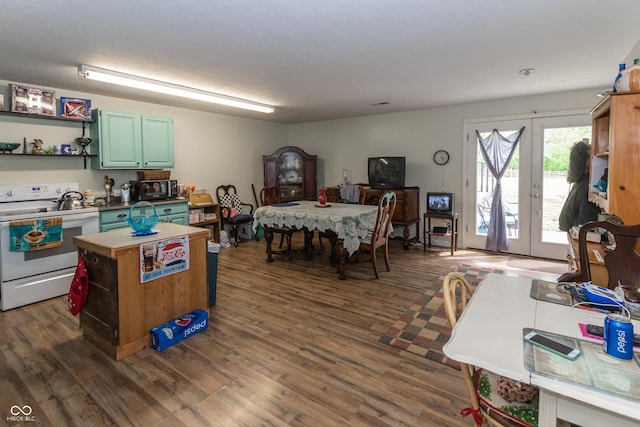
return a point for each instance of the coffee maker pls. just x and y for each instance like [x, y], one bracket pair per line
[126, 192]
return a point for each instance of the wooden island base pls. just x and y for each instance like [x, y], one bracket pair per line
[120, 310]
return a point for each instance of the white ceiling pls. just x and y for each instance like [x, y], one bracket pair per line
[321, 59]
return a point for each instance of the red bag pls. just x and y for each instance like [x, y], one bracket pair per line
[79, 288]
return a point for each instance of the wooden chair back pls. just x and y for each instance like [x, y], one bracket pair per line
[269, 196]
[228, 190]
[380, 234]
[233, 210]
[369, 196]
[457, 292]
[382, 228]
[622, 262]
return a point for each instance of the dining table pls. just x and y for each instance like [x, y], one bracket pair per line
[594, 390]
[343, 223]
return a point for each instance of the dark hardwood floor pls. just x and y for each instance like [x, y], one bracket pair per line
[288, 345]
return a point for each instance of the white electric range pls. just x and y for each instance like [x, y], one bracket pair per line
[38, 274]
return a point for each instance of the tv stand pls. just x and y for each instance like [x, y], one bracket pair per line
[407, 211]
[452, 231]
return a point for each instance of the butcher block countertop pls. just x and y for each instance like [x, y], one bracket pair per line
[118, 242]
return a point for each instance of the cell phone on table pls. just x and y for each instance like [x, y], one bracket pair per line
[552, 345]
[598, 331]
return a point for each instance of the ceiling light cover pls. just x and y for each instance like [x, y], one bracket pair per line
[122, 79]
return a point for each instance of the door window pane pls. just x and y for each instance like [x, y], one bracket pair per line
[555, 188]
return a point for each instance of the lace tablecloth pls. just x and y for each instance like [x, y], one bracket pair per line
[349, 221]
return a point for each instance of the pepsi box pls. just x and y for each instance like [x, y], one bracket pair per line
[181, 328]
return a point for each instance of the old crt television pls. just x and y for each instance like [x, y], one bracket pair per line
[386, 172]
[440, 203]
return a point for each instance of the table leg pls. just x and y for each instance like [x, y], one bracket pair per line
[308, 242]
[268, 236]
[547, 409]
[342, 260]
[424, 233]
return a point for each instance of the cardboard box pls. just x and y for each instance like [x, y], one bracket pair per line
[176, 330]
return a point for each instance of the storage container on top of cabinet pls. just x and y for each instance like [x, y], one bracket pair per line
[615, 153]
[293, 172]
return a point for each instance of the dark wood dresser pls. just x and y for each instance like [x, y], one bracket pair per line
[407, 209]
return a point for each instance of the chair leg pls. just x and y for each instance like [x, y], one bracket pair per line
[288, 236]
[320, 244]
[373, 261]
[386, 256]
[235, 235]
[281, 240]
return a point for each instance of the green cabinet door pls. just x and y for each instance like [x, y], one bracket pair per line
[157, 142]
[119, 140]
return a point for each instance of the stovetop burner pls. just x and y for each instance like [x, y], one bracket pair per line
[28, 201]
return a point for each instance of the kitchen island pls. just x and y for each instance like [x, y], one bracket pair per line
[121, 308]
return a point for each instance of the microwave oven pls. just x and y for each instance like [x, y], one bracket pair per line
[157, 189]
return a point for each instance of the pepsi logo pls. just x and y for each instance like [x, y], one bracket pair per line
[183, 321]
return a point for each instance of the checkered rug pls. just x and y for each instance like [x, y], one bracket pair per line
[424, 328]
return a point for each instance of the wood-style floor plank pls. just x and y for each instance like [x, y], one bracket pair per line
[288, 345]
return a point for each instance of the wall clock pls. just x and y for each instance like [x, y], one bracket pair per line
[441, 157]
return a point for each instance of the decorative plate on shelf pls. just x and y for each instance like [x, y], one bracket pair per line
[291, 176]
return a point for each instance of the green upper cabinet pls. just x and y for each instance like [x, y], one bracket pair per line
[157, 142]
[131, 141]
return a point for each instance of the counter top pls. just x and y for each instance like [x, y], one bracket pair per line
[116, 242]
[118, 204]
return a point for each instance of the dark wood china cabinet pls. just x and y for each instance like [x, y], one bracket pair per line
[293, 172]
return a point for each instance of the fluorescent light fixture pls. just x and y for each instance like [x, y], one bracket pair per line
[122, 79]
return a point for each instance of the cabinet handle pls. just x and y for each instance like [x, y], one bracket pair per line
[168, 209]
[122, 215]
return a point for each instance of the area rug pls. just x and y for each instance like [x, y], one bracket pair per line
[537, 264]
[424, 328]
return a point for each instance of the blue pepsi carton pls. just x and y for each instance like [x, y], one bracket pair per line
[176, 330]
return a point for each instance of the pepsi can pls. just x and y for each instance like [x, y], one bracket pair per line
[618, 336]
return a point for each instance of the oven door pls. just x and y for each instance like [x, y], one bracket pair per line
[21, 265]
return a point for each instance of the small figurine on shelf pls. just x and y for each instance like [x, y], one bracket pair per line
[37, 147]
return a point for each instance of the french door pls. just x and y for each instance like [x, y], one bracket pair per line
[534, 186]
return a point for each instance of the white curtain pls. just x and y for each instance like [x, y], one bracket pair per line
[497, 151]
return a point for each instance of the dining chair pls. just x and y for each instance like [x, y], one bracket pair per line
[379, 236]
[621, 259]
[270, 196]
[232, 209]
[457, 292]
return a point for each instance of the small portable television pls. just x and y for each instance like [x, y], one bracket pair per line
[440, 203]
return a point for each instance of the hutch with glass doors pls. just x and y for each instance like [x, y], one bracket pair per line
[293, 172]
